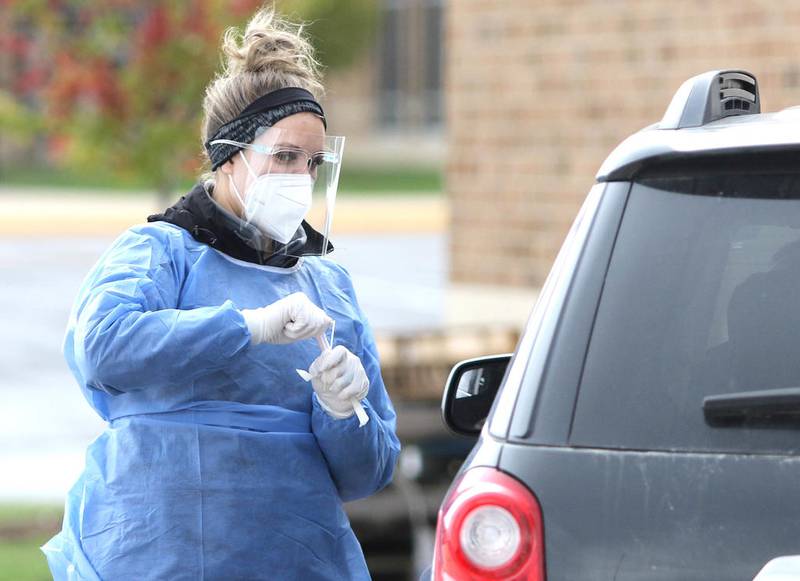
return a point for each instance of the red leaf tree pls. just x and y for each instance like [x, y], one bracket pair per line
[118, 84]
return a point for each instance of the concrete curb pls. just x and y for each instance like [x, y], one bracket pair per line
[65, 212]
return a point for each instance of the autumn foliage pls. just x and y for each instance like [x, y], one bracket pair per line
[116, 86]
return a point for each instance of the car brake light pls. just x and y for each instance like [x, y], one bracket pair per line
[490, 527]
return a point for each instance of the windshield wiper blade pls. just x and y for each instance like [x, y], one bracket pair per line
[764, 406]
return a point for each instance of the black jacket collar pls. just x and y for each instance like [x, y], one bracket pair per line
[211, 224]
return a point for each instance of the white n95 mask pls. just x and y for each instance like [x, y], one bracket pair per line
[276, 203]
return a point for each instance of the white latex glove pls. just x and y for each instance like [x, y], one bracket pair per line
[338, 377]
[287, 320]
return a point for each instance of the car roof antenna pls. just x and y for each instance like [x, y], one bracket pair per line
[712, 96]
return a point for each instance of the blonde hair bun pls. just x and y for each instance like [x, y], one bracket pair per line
[270, 44]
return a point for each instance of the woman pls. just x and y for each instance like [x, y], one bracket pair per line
[220, 461]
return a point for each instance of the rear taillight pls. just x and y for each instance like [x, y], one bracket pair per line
[490, 527]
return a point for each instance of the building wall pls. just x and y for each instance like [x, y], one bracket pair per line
[389, 103]
[353, 107]
[538, 92]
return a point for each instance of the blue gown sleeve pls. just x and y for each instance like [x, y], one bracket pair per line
[125, 331]
[361, 459]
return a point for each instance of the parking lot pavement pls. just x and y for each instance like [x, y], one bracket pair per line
[400, 277]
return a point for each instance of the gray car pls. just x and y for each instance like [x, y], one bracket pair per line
[646, 428]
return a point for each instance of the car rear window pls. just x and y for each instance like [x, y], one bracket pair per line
[702, 297]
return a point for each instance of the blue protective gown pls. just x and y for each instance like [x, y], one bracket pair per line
[217, 462]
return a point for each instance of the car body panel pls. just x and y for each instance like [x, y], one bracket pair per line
[769, 132]
[528, 362]
[628, 515]
[547, 420]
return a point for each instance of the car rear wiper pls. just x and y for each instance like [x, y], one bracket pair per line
[765, 407]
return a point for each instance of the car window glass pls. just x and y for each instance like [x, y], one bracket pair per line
[702, 297]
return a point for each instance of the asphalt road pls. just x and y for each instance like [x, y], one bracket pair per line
[44, 423]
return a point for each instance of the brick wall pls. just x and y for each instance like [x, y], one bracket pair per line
[540, 91]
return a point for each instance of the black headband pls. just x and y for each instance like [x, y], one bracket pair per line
[263, 112]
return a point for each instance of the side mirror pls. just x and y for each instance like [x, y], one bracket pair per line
[470, 392]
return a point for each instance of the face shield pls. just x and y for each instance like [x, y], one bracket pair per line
[280, 179]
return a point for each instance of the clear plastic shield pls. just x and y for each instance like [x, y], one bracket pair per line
[281, 179]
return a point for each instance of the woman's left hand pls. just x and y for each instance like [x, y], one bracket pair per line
[338, 377]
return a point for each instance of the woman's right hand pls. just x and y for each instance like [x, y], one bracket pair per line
[285, 321]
